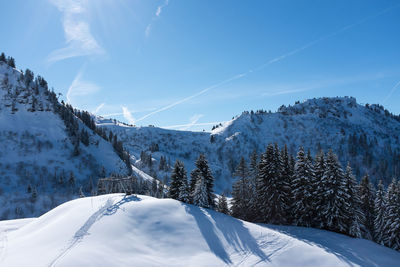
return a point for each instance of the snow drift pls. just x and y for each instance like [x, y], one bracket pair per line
[117, 230]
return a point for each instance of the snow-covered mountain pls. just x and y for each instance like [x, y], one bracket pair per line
[48, 150]
[367, 136]
[39, 154]
[117, 230]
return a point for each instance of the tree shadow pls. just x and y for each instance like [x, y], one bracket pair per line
[237, 236]
[354, 251]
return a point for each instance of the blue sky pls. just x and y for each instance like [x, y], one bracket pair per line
[187, 64]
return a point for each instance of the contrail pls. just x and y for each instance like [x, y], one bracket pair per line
[192, 96]
[391, 92]
[272, 61]
[193, 124]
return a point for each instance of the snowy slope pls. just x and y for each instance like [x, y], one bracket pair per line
[36, 150]
[327, 123]
[113, 230]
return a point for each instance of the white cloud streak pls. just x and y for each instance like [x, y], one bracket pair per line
[78, 37]
[128, 115]
[80, 88]
[160, 8]
[391, 92]
[111, 114]
[270, 62]
[190, 97]
[180, 126]
[283, 89]
[98, 108]
[155, 17]
[193, 120]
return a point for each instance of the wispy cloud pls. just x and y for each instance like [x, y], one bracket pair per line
[111, 114]
[80, 88]
[291, 88]
[270, 62]
[391, 92]
[78, 37]
[160, 8]
[180, 126]
[155, 17]
[193, 120]
[98, 108]
[190, 97]
[128, 115]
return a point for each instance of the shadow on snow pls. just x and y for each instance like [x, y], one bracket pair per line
[233, 231]
[353, 251]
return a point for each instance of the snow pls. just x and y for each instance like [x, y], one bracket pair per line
[142, 174]
[35, 145]
[324, 122]
[117, 230]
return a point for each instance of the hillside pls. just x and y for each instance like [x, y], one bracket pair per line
[42, 160]
[113, 230]
[366, 136]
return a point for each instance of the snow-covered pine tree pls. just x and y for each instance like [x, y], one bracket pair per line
[194, 174]
[366, 193]
[177, 178]
[271, 189]
[184, 194]
[380, 210]
[354, 214]
[222, 204]
[253, 173]
[160, 190]
[302, 191]
[286, 177]
[81, 194]
[240, 191]
[318, 194]
[391, 237]
[200, 196]
[334, 211]
[204, 184]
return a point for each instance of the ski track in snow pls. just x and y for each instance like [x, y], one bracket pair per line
[83, 231]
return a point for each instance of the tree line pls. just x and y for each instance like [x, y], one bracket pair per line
[307, 191]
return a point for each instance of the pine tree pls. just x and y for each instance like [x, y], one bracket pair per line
[380, 210]
[11, 62]
[253, 174]
[319, 190]
[336, 195]
[29, 189]
[203, 194]
[184, 194]
[391, 236]
[302, 191]
[81, 194]
[354, 215]
[271, 188]
[222, 204]
[286, 177]
[366, 193]
[240, 192]
[194, 174]
[3, 58]
[71, 180]
[177, 178]
[160, 190]
[200, 197]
